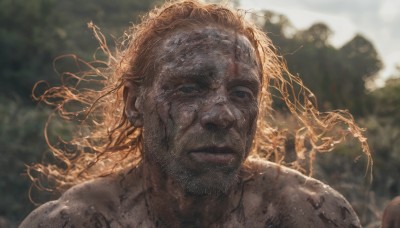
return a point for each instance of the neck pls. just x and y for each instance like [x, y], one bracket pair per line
[173, 206]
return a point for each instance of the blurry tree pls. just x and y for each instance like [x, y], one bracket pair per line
[316, 62]
[333, 74]
[386, 100]
[318, 35]
[21, 141]
[278, 28]
[28, 40]
[113, 17]
[361, 62]
[384, 135]
[32, 34]
[361, 53]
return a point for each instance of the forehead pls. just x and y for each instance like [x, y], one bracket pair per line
[186, 45]
[208, 36]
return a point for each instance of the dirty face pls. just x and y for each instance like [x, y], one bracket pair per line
[199, 114]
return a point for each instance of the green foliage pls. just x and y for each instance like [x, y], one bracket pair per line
[384, 134]
[333, 74]
[33, 33]
[21, 142]
[386, 100]
[27, 44]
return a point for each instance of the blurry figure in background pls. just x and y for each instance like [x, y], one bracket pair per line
[183, 130]
[391, 214]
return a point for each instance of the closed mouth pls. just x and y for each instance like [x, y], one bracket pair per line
[215, 155]
[215, 150]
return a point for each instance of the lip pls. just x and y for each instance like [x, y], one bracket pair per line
[215, 155]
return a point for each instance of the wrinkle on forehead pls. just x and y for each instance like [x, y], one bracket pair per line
[183, 43]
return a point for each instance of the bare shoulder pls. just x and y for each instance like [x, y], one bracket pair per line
[94, 203]
[298, 200]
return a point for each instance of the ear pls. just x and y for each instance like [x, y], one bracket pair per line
[133, 104]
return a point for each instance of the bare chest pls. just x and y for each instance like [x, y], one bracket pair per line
[250, 212]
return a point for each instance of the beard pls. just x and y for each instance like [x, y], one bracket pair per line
[206, 181]
[199, 180]
[170, 148]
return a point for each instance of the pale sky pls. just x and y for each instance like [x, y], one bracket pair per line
[377, 20]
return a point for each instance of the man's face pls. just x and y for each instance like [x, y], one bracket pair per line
[199, 115]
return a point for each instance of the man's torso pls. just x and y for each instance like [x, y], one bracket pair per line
[268, 195]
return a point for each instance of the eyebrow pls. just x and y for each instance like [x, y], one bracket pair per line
[200, 75]
[205, 75]
[250, 82]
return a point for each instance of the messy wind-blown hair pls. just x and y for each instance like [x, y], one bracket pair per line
[104, 142]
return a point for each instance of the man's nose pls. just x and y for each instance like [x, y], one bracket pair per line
[218, 116]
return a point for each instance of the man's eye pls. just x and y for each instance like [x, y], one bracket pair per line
[188, 89]
[242, 93]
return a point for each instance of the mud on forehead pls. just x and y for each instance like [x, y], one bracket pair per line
[183, 43]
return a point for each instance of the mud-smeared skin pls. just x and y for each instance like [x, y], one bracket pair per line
[265, 196]
[391, 214]
[202, 100]
[203, 97]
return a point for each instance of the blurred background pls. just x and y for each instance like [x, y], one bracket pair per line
[347, 53]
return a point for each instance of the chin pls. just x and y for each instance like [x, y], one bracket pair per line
[211, 182]
[216, 187]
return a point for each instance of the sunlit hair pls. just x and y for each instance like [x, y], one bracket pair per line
[105, 142]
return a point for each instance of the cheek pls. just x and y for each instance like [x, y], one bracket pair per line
[163, 109]
[176, 116]
[253, 115]
[184, 115]
[246, 119]
[248, 124]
